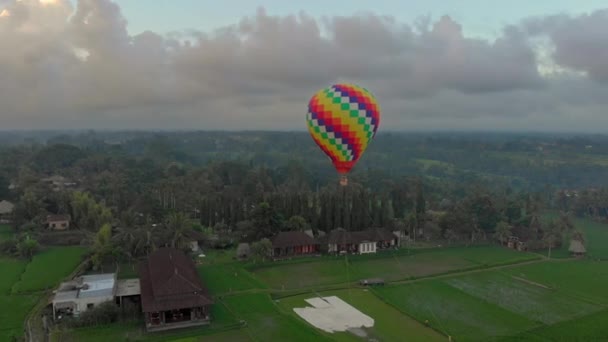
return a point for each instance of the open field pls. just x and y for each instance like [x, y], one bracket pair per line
[589, 328]
[221, 279]
[304, 274]
[596, 238]
[584, 279]
[11, 270]
[454, 312]
[526, 299]
[14, 310]
[389, 265]
[48, 268]
[266, 323]
[389, 323]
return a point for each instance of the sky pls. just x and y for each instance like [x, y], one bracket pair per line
[237, 64]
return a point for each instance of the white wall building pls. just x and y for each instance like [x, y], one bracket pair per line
[84, 293]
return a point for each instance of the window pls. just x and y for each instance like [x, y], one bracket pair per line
[64, 225]
[90, 305]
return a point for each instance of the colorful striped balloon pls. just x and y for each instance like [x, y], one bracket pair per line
[342, 120]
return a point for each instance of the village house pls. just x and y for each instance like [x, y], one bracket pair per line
[172, 294]
[6, 211]
[88, 291]
[288, 244]
[340, 241]
[58, 222]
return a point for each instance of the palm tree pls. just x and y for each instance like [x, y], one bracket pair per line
[178, 225]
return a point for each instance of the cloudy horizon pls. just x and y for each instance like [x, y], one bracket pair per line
[76, 65]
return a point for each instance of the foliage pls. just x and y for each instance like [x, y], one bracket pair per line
[87, 213]
[296, 223]
[102, 314]
[261, 249]
[502, 232]
[103, 248]
[27, 247]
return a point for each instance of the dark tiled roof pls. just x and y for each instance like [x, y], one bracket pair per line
[169, 281]
[290, 239]
[341, 237]
[56, 218]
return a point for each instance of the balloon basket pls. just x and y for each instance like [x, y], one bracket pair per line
[343, 180]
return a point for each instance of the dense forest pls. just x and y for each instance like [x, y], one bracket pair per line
[145, 188]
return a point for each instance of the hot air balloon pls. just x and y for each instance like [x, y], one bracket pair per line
[342, 120]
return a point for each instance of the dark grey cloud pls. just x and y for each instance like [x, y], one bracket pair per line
[76, 67]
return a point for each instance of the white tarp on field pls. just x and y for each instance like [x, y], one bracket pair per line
[332, 314]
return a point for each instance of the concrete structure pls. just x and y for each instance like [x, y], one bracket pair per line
[83, 293]
[289, 244]
[368, 241]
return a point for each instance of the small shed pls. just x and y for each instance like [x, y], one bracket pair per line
[577, 248]
[58, 222]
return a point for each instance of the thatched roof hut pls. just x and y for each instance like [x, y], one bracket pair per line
[577, 248]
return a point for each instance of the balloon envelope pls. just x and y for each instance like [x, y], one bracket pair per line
[342, 120]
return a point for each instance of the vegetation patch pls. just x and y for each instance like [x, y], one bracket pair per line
[14, 310]
[534, 302]
[454, 312]
[266, 323]
[227, 278]
[589, 328]
[11, 271]
[583, 279]
[48, 268]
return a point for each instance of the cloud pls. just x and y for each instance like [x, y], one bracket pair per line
[78, 67]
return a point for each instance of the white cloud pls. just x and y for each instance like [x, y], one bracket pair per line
[79, 67]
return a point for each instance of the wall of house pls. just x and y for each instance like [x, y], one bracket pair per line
[332, 248]
[82, 303]
[60, 225]
[367, 247]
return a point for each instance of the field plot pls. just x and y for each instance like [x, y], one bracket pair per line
[304, 274]
[532, 301]
[596, 236]
[48, 268]
[584, 279]
[11, 270]
[390, 266]
[589, 328]
[227, 278]
[266, 323]
[389, 323]
[14, 310]
[454, 312]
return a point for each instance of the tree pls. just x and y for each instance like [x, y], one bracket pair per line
[296, 223]
[266, 221]
[27, 247]
[420, 209]
[502, 232]
[103, 249]
[551, 235]
[178, 225]
[261, 249]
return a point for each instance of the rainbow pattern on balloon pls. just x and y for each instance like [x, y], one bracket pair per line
[342, 120]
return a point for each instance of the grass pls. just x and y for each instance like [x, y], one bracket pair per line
[306, 274]
[227, 278]
[596, 237]
[531, 301]
[48, 268]
[454, 312]
[389, 323]
[11, 271]
[266, 323]
[14, 310]
[583, 279]
[589, 328]
[5, 232]
[391, 266]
